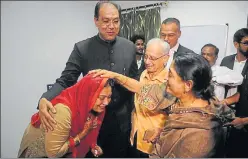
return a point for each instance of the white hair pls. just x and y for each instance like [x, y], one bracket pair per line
[164, 44]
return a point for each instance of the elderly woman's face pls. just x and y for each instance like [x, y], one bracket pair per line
[176, 86]
[103, 99]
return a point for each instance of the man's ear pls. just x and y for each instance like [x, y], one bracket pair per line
[188, 85]
[236, 44]
[96, 21]
[216, 57]
[179, 33]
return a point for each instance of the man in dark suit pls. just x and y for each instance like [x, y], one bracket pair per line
[170, 32]
[104, 51]
[238, 140]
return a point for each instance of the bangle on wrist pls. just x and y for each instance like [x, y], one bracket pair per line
[77, 140]
[72, 147]
[71, 143]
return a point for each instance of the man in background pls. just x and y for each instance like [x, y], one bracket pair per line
[237, 143]
[221, 76]
[104, 51]
[139, 41]
[170, 32]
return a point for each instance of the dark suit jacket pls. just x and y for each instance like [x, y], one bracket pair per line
[94, 53]
[228, 61]
[182, 49]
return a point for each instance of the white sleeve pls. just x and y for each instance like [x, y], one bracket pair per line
[226, 76]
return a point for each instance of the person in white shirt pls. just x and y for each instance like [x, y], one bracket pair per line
[221, 75]
[238, 139]
[237, 61]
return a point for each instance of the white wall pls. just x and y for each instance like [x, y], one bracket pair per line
[210, 12]
[204, 13]
[37, 39]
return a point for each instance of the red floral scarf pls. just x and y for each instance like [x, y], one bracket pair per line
[80, 98]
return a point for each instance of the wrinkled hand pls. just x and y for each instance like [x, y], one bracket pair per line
[238, 123]
[47, 121]
[102, 73]
[90, 125]
[97, 151]
[155, 136]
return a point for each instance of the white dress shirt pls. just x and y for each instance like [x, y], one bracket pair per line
[238, 67]
[222, 76]
[139, 62]
[171, 53]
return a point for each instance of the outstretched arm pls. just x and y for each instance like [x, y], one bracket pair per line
[129, 83]
[231, 100]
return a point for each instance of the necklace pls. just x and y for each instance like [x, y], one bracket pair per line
[180, 104]
[192, 102]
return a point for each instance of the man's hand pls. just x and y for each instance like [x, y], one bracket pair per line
[97, 151]
[47, 121]
[224, 102]
[238, 123]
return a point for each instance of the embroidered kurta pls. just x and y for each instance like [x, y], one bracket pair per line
[144, 119]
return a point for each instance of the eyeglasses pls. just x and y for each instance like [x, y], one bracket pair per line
[108, 22]
[244, 43]
[207, 54]
[153, 58]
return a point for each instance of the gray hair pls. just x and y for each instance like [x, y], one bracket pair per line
[172, 20]
[164, 44]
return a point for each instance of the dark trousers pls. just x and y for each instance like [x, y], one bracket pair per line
[113, 146]
[112, 139]
[237, 143]
[134, 152]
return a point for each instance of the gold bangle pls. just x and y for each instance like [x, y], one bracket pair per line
[68, 143]
[77, 140]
